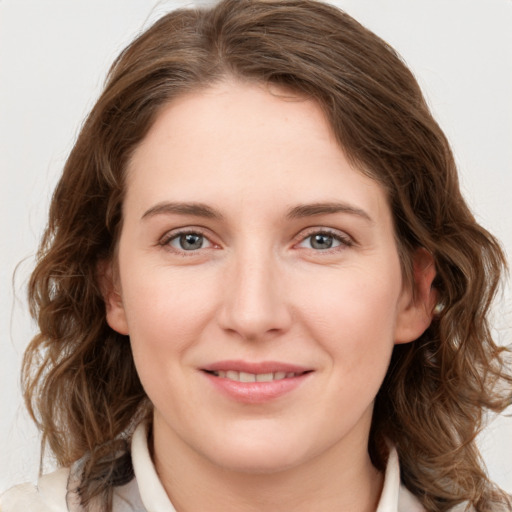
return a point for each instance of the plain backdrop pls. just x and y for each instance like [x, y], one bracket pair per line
[54, 55]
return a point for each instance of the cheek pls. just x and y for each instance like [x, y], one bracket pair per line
[355, 327]
[166, 310]
[165, 322]
[353, 315]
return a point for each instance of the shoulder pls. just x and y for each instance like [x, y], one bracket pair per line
[407, 502]
[49, 495]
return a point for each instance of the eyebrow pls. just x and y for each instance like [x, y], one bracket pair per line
[194, 209]
[310, 210]
[297, 212]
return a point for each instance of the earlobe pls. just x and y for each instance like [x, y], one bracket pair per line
[418, 302]
[110, 290]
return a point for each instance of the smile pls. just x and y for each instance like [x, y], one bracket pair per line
[255, 383]
[254, 377]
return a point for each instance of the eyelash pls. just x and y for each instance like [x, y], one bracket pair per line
[166, 240]
[344, 240]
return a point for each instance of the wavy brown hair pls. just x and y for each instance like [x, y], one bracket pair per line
[80, 382]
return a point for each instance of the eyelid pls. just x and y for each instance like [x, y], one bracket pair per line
[164, 240]
[345, 239]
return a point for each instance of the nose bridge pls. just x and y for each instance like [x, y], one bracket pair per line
[254, 298]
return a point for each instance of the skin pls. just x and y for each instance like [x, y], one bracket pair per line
[258, 286]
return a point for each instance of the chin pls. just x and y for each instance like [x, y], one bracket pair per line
[258, 455]
[257, 463]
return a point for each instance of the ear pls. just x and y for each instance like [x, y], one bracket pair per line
[108, 279]
[418, 299]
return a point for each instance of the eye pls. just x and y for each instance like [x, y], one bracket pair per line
[189, 241]
[325, 240]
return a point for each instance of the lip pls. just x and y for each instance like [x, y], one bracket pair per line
[256, 392]
[255, 367]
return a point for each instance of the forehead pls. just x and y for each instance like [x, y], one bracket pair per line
[238, 117]
[246, 142]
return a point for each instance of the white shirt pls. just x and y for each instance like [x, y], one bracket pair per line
[145, 493]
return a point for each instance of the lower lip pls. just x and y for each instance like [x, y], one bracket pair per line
[256, 392]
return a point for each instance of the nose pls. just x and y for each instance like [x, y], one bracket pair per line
[255, 304]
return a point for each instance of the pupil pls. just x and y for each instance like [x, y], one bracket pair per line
[321, 241]
[191, 241]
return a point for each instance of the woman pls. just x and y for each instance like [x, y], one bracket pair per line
[260, 281]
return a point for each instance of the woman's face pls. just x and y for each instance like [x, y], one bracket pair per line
[259, 282]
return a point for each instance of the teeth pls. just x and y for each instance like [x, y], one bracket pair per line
[252, 377]
[247, 377]
[264, 377]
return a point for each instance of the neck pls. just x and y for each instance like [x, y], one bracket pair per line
[341, 479]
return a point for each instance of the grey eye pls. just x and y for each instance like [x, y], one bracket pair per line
[189, 241]
[321, 241]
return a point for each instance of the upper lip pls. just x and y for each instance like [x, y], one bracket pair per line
[255, 367]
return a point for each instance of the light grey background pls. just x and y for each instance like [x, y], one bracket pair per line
[54, 55]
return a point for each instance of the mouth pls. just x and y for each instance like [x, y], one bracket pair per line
[256, 383]
[239, 376]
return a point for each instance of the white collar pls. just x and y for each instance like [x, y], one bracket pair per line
[394, 498]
